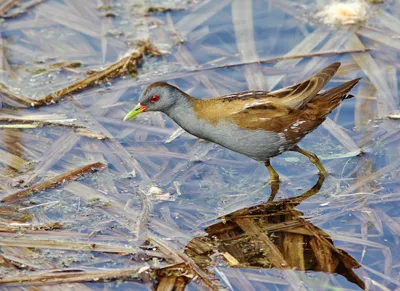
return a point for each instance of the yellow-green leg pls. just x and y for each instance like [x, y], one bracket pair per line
[274, 177]
[313, 159]
[273, 180]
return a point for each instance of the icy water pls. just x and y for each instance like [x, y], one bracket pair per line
[165, 209]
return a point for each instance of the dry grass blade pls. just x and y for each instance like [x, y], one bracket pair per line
[74, 275]
[35, 123]
[23, 9]
[390, 21]
[242, 18]
[90, 134]
[158, 9]
[12, 160]
[124, 66]
[387, 103]
[175, 135]
[191, 21]
[66, 245]
[55, 181]
[304, 47]
[364, 110]
[341, 136]
[285, 58]
[53, 154]
[379, 36]
[6, 6]
[4, 64]
[116, 148]
[384, 276]
[334, 42]
[15, 97]
[20, 126]
[186, 58]
[361, 182]
[115, 210]
[390, 222]
[142, 222]
[80, 20]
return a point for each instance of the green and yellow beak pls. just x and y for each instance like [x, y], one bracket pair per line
[135, 111]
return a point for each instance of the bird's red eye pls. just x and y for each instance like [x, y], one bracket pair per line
[154, 98]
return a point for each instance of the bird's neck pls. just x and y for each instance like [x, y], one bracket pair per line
[183, 114]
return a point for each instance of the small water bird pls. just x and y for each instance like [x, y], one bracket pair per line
[258, 124]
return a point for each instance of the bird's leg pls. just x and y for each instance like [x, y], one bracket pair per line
[273, 180]
[313, 159]
[274, 177]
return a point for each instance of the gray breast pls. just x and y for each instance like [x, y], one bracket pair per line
[257, 144]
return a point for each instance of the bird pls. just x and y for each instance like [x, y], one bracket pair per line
[257, 124]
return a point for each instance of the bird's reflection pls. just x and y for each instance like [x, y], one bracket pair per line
[273, 235]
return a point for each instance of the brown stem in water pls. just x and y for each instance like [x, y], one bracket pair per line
[20, 99]
[37, 123]
[284, 58]
[8, 6]
[77, 275]
[127, 65]
[55, 181]
[23, 9]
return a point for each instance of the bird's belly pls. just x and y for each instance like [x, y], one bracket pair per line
[257, 144]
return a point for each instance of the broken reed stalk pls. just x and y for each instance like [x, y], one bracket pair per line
[8, 6]
[77, 276]
[90, 134]
[66, 245]
[158, 9]
[284, 58]
[55, 181]
[29, 124]
[35, 123]
[20, 99]
[126, 65]
[23, 9]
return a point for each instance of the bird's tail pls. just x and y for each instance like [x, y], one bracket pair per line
[330, 99]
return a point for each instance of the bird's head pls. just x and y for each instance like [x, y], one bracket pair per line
[158, 96]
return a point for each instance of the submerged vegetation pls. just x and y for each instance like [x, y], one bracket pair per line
[91, 202]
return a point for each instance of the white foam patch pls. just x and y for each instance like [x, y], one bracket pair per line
[348, 12]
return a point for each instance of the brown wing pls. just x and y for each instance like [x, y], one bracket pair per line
[294, 124]
[261, 110]
[271, 116]
[295, 96]
[216, 109]
[298, 95]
